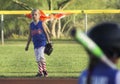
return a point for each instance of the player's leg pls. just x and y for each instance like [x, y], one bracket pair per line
[40, 70]
[43, 61]
[44, 68]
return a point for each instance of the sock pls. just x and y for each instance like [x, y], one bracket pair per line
[43, 65]
[40, 70]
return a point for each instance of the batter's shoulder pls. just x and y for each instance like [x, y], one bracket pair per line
[31, 22]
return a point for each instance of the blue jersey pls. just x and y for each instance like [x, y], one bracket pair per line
[102, 74]
[38, 34]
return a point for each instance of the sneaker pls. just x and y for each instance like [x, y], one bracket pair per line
[39, 75]
[45, 73]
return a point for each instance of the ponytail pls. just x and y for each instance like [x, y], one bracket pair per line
[92, 63]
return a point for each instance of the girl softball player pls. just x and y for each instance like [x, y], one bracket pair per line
[39, 36]
[107, 37]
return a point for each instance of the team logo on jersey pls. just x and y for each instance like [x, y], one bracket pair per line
[36, 31]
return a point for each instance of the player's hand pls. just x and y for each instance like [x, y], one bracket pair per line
[26, 48]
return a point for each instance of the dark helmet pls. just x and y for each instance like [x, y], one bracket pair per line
[107, 36]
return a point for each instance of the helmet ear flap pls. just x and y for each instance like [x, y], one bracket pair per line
[111, 52]
[115, 55]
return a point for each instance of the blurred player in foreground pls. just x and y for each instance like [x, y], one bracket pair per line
[107, 37]
[39, 36]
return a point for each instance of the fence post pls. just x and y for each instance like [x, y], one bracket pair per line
[2, 32]
[86, 18]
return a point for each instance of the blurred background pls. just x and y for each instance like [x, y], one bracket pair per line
[16, 26]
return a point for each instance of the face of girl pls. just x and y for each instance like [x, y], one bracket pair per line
[36, 15]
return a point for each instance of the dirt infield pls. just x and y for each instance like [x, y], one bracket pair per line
[38, 81]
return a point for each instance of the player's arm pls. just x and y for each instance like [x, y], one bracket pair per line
[29, 40]
[45, 30]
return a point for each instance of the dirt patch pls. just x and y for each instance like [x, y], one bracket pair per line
[38, 81]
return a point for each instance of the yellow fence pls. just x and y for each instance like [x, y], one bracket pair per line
[60, 11]
[16, 12]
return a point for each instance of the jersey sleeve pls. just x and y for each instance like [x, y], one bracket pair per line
[30, 25]
[82, 77]
[118, 78]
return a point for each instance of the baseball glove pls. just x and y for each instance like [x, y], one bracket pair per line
[48, 49]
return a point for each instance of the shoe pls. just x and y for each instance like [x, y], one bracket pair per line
[39, 75]
[45, 73]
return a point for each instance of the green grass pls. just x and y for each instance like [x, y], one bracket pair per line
[67, 60]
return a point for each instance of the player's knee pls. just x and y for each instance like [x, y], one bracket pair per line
[42, 60]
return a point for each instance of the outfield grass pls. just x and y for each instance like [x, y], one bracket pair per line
[67, 60]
